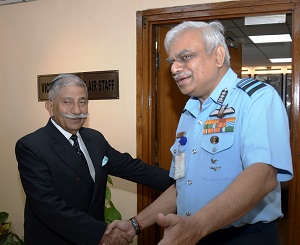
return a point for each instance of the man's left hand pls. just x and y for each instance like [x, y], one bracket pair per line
[177, 230]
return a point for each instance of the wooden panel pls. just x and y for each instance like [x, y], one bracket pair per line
[145, 118]
[294, 188]
[236, 59]
[170, 103]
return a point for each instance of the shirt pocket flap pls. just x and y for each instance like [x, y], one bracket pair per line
[215, 143]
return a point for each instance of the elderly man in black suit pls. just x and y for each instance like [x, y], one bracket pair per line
[64, 167]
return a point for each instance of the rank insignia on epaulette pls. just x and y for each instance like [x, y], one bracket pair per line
[250, 85]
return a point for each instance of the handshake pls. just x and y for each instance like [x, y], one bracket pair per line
[121, 232]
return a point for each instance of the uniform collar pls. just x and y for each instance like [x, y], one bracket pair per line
[228, 81]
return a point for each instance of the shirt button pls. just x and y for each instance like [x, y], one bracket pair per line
[77, 179]
[194, 151]
[214, 149]
[188, 213]
[199, 122]
[174, 151]
[189, 182]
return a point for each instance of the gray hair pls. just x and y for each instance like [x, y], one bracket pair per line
[64, 80]
[212, 35]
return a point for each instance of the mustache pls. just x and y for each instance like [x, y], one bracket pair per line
[75, 116]
[181, 75]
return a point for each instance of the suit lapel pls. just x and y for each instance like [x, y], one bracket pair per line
[66, 152]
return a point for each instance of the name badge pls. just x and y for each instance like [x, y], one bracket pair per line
[179, 165]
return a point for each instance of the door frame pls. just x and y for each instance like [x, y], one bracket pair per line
[146, 22]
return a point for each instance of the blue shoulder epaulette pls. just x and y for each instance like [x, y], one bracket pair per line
[250, 85]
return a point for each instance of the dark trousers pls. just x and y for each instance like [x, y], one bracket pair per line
[256, 234]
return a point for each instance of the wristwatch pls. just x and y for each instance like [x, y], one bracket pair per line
[135, 225]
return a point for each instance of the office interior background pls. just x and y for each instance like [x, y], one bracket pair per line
[58, 36]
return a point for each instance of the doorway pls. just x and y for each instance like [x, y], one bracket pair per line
[148, 131]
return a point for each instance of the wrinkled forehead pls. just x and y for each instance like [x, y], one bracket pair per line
[186, 39]
[72, 91]
[190, 41]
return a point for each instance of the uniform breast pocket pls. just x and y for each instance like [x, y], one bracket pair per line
[215, 143]
[220, 157]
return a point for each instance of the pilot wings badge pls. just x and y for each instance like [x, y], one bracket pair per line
[223, 111]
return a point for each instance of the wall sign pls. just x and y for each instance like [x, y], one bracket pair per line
[101, 85]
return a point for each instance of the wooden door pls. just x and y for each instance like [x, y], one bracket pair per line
[236, 59]
[170, 103]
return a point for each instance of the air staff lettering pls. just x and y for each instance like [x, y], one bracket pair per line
[100, 85]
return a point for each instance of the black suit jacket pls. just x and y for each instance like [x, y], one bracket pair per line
[63, 204]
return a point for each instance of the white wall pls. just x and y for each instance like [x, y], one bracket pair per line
[55, 36]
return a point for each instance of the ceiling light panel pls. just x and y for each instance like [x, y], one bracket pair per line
[281, 60]
[271, 38]
[266, 19]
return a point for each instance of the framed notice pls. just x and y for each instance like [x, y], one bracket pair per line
[101, 85]
[276, 80]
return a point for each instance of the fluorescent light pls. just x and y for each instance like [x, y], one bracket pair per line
[265, 19]
[271, 38]
[268, 69]
[281, 60]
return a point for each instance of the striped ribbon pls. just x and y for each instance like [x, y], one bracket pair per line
[221, 125]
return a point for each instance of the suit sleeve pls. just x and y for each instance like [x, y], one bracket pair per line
[124, 166]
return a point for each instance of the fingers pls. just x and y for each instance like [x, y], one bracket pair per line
[127, 237]
[168, 220]
[161, 220]
[120, 224]
[121, 237]
[119, 232]
[110, 227]
[116, 236]
[124, 225]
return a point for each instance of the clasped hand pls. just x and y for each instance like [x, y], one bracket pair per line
[118, 232]
[173, 226]
[177, 230]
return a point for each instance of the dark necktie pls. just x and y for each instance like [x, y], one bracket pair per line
[77, 147]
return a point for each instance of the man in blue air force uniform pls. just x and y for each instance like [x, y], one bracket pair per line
[231, 151]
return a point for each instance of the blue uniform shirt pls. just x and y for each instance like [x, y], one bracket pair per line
[218, 150]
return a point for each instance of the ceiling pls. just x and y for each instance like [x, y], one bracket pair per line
[259, 54]
[238, 32]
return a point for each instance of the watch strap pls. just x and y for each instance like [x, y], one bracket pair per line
[135, 225]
